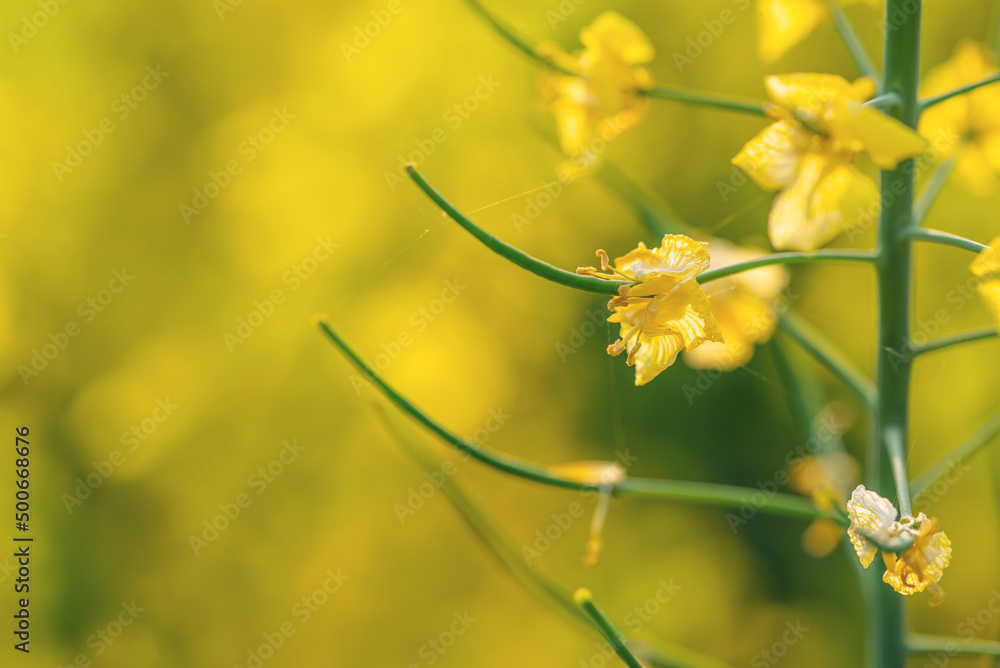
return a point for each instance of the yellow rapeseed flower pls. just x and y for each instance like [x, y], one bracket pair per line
[603, 96]
[918, 568]
[745, 305]
[784, 23]
[971, 120]
[808, 154]
[667, 311]
[987, 267]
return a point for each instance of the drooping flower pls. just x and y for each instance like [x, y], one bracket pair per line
[968, 123]
[604, 475]
[602, 97]
[784, 23]
[745, 306]
[875, 516]
[921, 565]
[666, 311]
[987, 267]
[808, 153]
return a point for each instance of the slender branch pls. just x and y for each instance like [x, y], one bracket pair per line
[929, 102]
[943, 238]
[932, 189]
[608, 287]
[701, 98]
[918, 643]
[585, 600]
[852, 41]
[659, 218]
[515, 37]
[827, 354]
[518, 257]
[502, 546]
[791, 257]
[886, 102]
[978, 440]
[957, 339]
[708, 493]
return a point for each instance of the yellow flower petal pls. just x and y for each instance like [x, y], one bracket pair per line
[923, 564]
[771, 158]
[827, 198]
[812, 93]
[784, 23]
[656, 353]
[613, 34]
[886, 140]
[677, 256]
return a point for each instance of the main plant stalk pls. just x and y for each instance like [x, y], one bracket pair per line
[889, 437]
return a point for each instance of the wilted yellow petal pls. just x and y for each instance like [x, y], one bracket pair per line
[871, 514]
[923, 564]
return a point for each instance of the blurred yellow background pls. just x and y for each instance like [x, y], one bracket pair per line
[227, 169]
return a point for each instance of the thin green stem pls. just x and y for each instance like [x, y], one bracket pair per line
[933, 188]
[827, 354]
[659, 218]
[518, 257]
[707, 493]
[791, 257]
[918, 643]
[957, 339]
[929, 102]
[943, 238]
[977, 441]
[585, 600]
[704, 99]
[515, 37]
[608, 287]
[852, 41]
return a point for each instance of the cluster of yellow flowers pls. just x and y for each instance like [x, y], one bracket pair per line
[821, 125]
[920, 567]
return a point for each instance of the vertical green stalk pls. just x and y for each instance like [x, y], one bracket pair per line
[886, 470]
